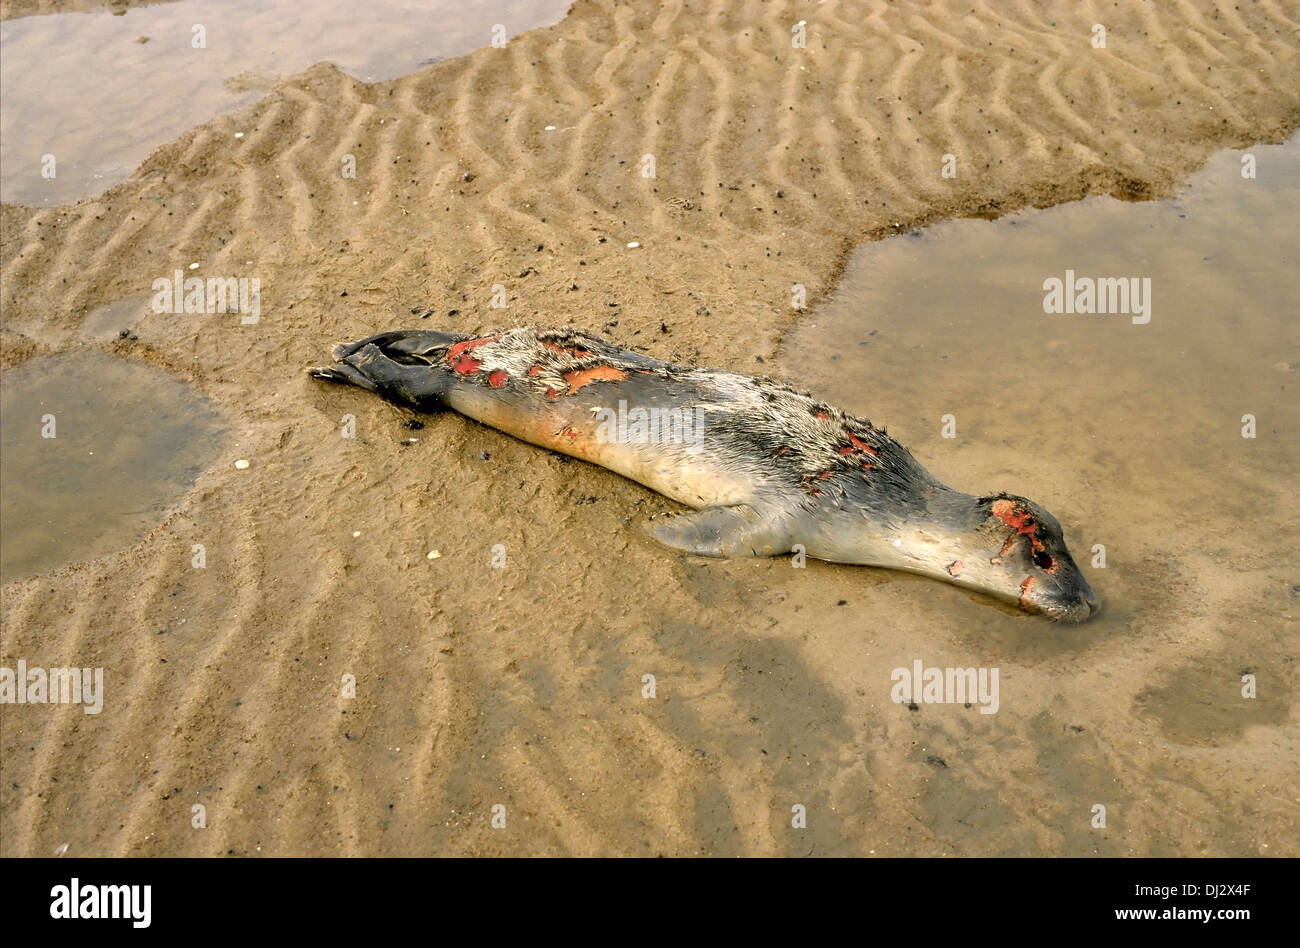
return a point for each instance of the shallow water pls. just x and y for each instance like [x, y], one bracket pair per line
[100, 92]
[1129, 431]
[128, 440]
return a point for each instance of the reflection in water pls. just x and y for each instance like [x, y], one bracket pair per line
[128, 440]
[99, 92]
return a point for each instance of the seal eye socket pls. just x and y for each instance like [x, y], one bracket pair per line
[1042, 560]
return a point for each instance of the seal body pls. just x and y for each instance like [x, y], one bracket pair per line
[767, 468]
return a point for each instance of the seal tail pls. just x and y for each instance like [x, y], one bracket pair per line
[404, 366]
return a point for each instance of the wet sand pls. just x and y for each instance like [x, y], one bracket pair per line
[101, 90]
[522, 686]
[1128, 428]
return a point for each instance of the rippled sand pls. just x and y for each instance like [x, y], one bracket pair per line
[522, 686]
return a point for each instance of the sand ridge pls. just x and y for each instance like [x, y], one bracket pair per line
[521, 686]
[12, 9]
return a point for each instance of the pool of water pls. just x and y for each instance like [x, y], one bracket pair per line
[1165, 436]
[93, 451]
[100, 92]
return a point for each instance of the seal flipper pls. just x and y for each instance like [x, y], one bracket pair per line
[347, 374]
[723, 531]
[421, 386]
[408, 346]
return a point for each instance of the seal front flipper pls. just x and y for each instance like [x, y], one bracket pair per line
[741, 530]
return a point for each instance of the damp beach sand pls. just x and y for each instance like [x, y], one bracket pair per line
[522, 167]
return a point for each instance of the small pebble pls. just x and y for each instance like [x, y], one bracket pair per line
[241, 464]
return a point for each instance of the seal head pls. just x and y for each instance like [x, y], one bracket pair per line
[1028, 560]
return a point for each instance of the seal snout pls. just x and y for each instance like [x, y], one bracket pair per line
[1080, 607]
[1064, 596]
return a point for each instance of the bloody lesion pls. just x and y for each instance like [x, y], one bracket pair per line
[460, 356]
[462, 360]
[576, 379]
[1025, 588]
[573, 351]
[858, 451]
[1022, 524]
[851, 452]
[809, 482]
[596, 373]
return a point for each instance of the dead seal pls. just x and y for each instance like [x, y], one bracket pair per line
[767, 468]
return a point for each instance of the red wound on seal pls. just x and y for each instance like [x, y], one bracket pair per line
[498, 378]
[862, 445]
[807, 482]
[857, 446]
[1015, 516]
[604, 373]
[1025, 587]
[1023, 523]
[459, 358]
[568, 350]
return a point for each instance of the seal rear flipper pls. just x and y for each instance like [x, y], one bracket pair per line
[343, 373]
[723, 531]
[409, 346]
[420, 386]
